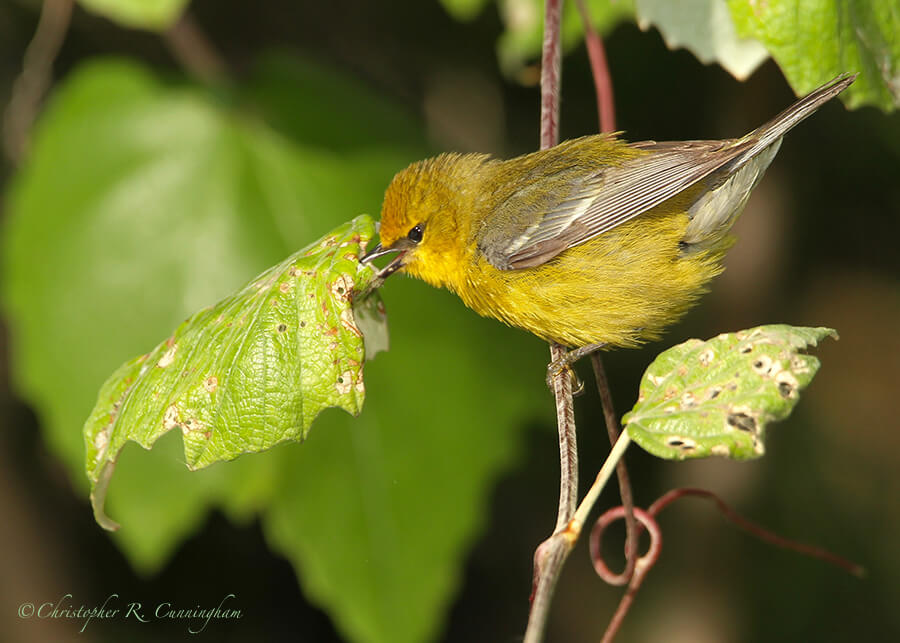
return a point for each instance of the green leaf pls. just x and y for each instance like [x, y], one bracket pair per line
[523, 20]
[103, 258]
[464, 9]
[815, 40]
[392, 485]
[716, 397]
[141, 14]
[248, 373]
[706, 29]
[182, 201]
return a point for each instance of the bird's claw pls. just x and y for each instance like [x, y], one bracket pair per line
[558, 366]
[565, 362]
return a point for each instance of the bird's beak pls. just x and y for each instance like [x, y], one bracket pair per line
[379, 251]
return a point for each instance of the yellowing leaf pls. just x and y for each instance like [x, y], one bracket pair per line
[716, 397]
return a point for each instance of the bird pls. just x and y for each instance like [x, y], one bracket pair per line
[593, 243]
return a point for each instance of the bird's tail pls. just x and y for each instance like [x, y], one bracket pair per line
[716, 209]
[772, 131]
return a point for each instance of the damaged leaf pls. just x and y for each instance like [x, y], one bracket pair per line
[716, 397]
[251, 371]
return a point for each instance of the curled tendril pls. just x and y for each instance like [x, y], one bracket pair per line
[646, 519]
[755, 530]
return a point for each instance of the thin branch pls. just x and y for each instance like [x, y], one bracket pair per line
[568, 448]
[612, 460]
[759, 532]
[551, 79]
[551, 554]
[607, 120]
[37, 73]
[642, 565]
[602, 79]
[647, 520]
[613, 429]
[195, 52]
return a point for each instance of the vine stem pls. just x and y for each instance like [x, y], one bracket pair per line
[551, 70]
[584, 509]
[195, 52]
[606, 115]
[756, 530]
[606, 110]
[551, 66]
[551, 554]
[37, 73]
[613, 429]
[568, 445]
[641, 567]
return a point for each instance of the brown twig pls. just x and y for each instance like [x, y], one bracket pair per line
[606, 114]
[568, 447]
[551, 554]
[551, 65]
[647, 520]
[606, 109]
[29, 88]
[641, 567]
[195, 52]
[551, 73]
[613, 429]
[752, 528]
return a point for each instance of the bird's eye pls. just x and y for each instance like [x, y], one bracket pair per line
[415, 235]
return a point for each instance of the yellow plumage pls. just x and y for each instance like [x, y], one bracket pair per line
[594, 241]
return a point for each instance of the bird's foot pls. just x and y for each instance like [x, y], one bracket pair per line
[565, 363]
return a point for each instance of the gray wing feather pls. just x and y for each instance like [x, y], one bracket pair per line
[609, 198]
[599, 200]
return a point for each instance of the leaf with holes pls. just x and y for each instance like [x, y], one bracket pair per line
[250, 372]
[716, 397]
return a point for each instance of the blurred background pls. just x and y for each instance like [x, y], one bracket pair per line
[166, 170]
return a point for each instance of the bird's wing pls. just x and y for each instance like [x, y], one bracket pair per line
[570, 205]
[597, 200]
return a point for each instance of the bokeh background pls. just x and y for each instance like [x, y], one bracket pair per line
[817, 246]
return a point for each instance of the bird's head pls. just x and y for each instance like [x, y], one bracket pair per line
[426, 217]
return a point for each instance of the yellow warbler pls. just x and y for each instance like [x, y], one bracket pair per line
[593, 242]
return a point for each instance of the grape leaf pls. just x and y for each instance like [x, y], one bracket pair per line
[716, 397]
[186, 196]
[706, 29]
[815, 40]
[248, 373]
